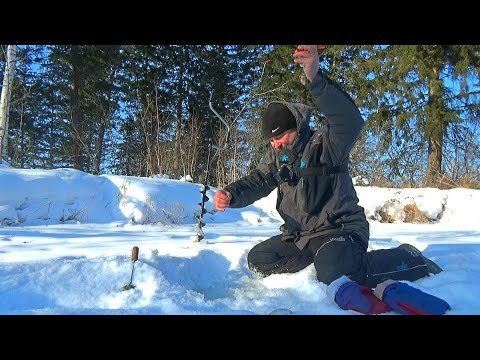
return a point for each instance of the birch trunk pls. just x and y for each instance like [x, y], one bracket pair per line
[5, 98]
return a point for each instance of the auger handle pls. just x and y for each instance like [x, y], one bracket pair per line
[134, 254]
[217, 147]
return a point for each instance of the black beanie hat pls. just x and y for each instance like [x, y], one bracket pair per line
[276, 119]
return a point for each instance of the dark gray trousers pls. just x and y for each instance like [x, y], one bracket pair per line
[336, 256]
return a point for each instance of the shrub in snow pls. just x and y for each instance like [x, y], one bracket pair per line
[402, 210]
[414, 215]
[187, 178]
[160, 176]
[360, 181]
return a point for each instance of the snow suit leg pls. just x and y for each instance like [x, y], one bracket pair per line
[345, 255]
[404, 262]
[274, 256]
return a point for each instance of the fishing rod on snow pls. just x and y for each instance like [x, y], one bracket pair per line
[218, 148]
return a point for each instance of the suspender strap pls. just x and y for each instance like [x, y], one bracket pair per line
[321, 170]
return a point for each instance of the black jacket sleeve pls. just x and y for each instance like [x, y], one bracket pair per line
[344, 119]
[250, 188]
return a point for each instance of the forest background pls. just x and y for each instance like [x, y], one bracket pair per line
[144, 110]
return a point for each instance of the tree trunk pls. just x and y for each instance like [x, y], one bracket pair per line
[435, 131]
[76, 121]
[435, 150]
[178, 125]
[99, 148]
[5, 97]
[103, 125]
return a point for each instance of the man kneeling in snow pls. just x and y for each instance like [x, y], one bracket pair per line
[324, 224]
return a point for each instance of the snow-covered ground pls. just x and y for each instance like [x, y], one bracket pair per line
[66, 239]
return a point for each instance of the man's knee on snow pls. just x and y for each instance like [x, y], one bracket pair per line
[339, 256]
[259, 258]
[265, 263]
[327, 269]
[254, 261]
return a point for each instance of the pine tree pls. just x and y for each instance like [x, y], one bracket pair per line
[409, 97]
